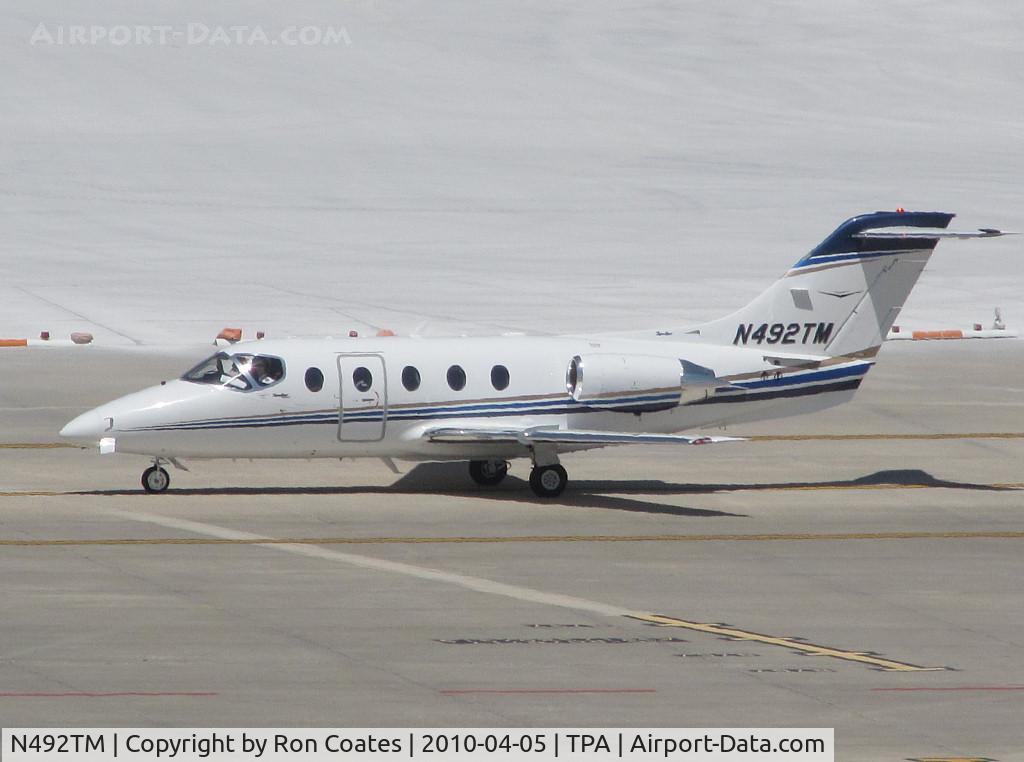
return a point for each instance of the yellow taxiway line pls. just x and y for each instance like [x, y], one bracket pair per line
[811, 649]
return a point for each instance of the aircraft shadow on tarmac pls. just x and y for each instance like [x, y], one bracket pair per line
[445, 478]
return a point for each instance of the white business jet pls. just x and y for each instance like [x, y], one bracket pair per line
[804, 344]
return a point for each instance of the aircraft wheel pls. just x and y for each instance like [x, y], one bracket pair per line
[488, 473]
[155, 479]
[548, 481]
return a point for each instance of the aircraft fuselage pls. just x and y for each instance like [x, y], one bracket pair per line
[364, 406]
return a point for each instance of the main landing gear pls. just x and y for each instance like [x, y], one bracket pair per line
[548, 478]
[155, 478]
[548, 481]
[488, 473]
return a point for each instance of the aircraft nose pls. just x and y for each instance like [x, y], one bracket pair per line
[90, 425]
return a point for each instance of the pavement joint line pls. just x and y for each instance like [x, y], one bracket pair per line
[491, 587]
[102, 694]
[943, 689]
[810, 649]
[792, 537]
[520, 691]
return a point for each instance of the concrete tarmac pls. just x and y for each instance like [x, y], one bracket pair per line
[858, 569]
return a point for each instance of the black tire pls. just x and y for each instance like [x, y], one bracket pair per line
[155, 479]
[548, 481]
[488, 473]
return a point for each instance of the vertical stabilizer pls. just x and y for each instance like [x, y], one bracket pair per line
[843, 297]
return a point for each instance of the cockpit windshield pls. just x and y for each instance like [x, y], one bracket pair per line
[241, 372]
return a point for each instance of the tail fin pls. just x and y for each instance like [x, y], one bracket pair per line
[843, 297]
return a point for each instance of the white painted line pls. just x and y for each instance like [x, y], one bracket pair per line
[477, 584]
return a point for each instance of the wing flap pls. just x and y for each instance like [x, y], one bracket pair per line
[528, 437]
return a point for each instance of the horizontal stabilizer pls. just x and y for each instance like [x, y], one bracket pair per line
[899, 234]
[527, 437]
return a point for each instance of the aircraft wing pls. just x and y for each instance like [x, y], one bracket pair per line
[541, 435]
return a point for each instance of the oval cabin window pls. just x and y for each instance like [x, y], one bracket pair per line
[362, 379]
[410, 378]
[314, 379]
[499, 377]
[456, 378]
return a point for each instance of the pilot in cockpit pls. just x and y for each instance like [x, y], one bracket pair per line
[265, 370]
[242, 372]
[259, 371]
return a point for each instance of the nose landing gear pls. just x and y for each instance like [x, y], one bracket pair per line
[155, 478]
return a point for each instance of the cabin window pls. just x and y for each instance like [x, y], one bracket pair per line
[241, 372]
[456, 378]
[314, 379]
[362, 379]
[410, 378]
[499, 377]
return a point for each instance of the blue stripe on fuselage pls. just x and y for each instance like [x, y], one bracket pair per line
[820, 375]
[745, 391]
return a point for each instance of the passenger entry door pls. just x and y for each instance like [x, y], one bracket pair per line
[363, 404]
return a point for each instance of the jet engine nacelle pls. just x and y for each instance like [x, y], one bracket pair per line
[637, 383]
[633, 383]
